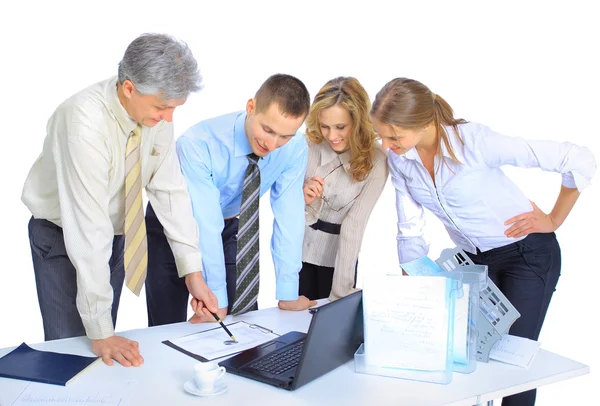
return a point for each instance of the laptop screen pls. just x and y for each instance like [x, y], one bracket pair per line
[335, 333]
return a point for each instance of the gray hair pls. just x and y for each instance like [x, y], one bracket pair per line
[161, 65]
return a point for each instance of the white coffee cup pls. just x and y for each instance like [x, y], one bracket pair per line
[206, 375]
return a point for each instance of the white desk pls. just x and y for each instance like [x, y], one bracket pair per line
[160, 380]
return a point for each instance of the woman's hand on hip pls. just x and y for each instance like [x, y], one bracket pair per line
[535, 221]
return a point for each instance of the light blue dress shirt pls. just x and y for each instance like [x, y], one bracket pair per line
[213, 158]
[474, 198]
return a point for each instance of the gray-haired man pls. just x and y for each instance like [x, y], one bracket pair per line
[103, 145]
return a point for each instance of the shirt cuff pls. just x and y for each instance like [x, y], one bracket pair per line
[287, 290]
[574, 180]
[188, 264]
[409, 251]
[221, 295]
[99, 329]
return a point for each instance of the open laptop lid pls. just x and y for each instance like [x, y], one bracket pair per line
[335, 333]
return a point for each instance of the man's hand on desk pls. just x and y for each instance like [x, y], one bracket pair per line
[302, 303]
[125, 352]
[203, 300]
[203, 318]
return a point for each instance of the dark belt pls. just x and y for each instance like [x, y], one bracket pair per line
[330, 228]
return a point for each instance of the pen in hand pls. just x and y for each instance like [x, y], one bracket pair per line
[224, 327]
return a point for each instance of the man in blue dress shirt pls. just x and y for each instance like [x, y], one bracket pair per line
[214, 157]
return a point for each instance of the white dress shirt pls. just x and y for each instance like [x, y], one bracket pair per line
[78, 184]
[474, 198]
[332, 250]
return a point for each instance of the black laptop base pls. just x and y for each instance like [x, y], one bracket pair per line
[242, 364]
[335, 332]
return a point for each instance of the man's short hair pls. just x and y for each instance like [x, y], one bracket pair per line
[160, 65]
[288, 92]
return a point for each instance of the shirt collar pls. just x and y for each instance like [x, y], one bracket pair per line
[240, 139]
[126, 123]
[328, 155]
[456, 145]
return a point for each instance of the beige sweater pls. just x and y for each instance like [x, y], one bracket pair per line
[340, 251]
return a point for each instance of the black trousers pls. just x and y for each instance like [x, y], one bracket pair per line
[166, 293]
[526, 272]
[315, 281]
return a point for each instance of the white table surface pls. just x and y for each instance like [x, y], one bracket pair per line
[160, 379]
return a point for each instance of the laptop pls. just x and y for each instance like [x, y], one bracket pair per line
[294, 359]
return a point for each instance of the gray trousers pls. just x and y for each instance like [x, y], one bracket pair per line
[56, 279]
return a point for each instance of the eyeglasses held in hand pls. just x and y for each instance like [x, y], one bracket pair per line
[326, 200]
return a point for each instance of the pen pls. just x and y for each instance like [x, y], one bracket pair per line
[224, 327]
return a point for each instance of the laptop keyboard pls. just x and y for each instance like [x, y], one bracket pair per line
[279, 362]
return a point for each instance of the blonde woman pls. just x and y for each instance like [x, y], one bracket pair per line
[346, 173]
[453, 168]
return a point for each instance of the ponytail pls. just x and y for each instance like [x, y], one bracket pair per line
[443, 115]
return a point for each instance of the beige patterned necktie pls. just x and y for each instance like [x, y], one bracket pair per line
[136, 248]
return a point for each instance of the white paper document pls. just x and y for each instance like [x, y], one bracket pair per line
[118, 394]
[515, 350]
[216, 343]
[406, 322]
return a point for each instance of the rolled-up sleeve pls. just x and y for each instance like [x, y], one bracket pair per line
[575, 163]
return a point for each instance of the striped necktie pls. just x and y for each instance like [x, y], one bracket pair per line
[136, 249]
[247, 264]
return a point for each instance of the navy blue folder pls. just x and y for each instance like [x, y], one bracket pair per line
[42, 366]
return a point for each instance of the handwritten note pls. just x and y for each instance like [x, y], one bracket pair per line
[406, 322]
[515, 351]
[215, 343]
[91, 395]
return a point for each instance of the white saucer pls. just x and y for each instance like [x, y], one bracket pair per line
[191, 388]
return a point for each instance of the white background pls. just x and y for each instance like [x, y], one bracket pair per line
[524, 69]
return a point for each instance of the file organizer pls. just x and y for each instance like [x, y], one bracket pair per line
[496, 313]
[467, 305]
[441, 376]
[474, 279]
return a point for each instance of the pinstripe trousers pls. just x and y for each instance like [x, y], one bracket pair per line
[56, 279]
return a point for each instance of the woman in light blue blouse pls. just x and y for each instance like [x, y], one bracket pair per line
[453, 168]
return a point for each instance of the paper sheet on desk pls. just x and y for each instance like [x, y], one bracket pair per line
[210, 344]
[118, 394]
[515, 351]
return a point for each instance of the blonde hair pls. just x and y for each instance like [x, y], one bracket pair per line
[410, 104]
[348, 93]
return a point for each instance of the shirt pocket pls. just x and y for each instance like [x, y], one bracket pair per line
[150, 165]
